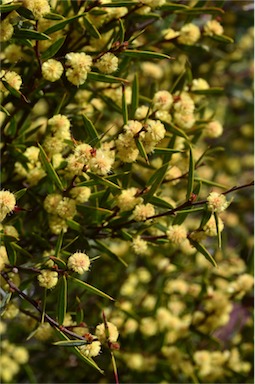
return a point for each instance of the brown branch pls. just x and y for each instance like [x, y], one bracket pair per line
[35, 304]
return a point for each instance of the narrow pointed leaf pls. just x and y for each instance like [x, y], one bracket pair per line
[210, 91]
[217, 229]
[94, 76]
[59, 244]
[175, 130]
[74, 225]
[91, 130]
[121, 31]
[163, 151]
[160, 202]
[93, 31]
[124, 106]
[141, 149]
[20, 193]
[209, 182]
[135, 97]
[53, 49]
[29, 34]
[190, 175]
[148, 55]
[9, 7]
[61, 24]
[60, 263]
[200, 248]
[222, 39]
[62, 300]
[104, 181]
[103, 248]
[11, 253]
[70, 343]
[49, 169]
[90, 288]
[21, 250]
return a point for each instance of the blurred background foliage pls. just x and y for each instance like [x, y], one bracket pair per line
[180, 319]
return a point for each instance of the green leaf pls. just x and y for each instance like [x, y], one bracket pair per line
[120, 4]
[135, 97]
[93, 31]
[4, 110]
[53, 16]
[175, 130]
[155, 181]
[59, 244]
[78, 353]
[91, 130]
[103, 248]
[121, 32]
[141, 149]
[163, 151]
[202, 11]
[160, 202]
[222, 39]
[90, 288]
[26, 13]
[190, 175]
[10, 252]
[53, 49]
[206, 216]
[210, 91]
[216, 217]
[94, 76]
[74, 225]
[12, 90]
[148, 55]
[209, 182]
[200, 248]
[9, 7]
[29, 34]
[62, 300]
[60, 263]
[49, 169]
[125, 235]
[173, 7]
[11, 128]
[58, 26]
[124, 106]
[21, 250]
[70, 343]
[20, 193]
[103, 181]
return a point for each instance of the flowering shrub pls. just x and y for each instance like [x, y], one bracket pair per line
[125, 207]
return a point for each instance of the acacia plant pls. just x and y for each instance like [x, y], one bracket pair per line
[126, 191]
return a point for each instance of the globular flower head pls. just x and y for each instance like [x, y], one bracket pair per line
[66, 208]
[79, 262]
[127, 199]
[142, 211]
[139, 246]
[52, 70]
[48, 279]
[12, 78]
[7, 203]
[217, 202]
[213, 129]
[92, 349]
[177, 234]
[162, 100]
[189, 34]
[108, 63]
[112, 332]
[101, 163]
[213, 27]
[81, 194]
[6, 30]
[38, 7]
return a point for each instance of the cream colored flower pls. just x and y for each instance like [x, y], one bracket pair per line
[48, 279]
[52, 70]
[112, 332]
[79, 262]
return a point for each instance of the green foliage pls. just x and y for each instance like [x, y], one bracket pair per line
[118, 121]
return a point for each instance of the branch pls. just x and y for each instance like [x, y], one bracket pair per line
[34, 303]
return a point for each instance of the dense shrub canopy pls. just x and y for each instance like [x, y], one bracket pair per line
[126, 204]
